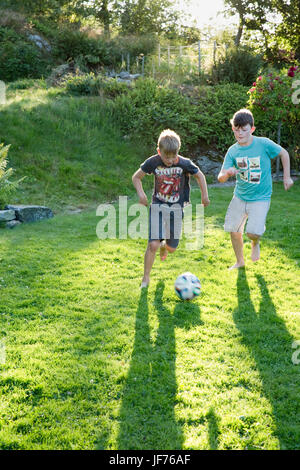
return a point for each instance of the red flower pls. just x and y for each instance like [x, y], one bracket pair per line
[292, 70]
[254, 83]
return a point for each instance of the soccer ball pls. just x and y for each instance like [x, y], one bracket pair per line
[187, 286]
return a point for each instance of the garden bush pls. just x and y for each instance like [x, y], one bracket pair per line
[237, 65]
[91, 52]
[8, 188]
[149, 108]
[19, 58]
[91, 84]
[271, 101]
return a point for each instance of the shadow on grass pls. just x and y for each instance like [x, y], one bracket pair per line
[270, 344]
[213, 429]
[147, 417]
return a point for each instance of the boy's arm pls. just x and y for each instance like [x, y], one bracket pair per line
[229, 171]
[285, 160]
[137, 183]
[201, 180]
[225, 174]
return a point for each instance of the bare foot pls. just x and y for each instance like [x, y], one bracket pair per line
[163, 250]
[237, 265]
[255, 252]
[144, 283]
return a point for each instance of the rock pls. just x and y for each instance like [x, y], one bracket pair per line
[30, 213]
[12, 224]
[123, 80]
[40, 42]
[111, 74]
[135, 76]
[208, 166]
[59, 75]
[7, 215]
[124, 75]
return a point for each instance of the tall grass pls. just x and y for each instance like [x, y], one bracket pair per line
[68, 149]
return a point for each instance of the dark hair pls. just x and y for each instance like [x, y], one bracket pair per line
[242, 117]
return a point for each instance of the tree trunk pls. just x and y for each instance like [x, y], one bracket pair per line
[240, 31]
[105, 18]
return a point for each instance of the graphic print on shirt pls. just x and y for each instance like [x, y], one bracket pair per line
[168, 183]
[249, 169]
[242, 163]
[254, 163]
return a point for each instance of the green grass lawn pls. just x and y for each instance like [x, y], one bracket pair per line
[94, 363]
[68, 148]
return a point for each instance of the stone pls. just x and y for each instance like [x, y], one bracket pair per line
[39, 42]
[12, 224]
[208, 166]
[123, 80]
[135, 76]
[124, 75]
[26, 213]
[7, 215]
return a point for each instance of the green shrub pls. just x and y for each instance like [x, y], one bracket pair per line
[78, 46]
[8, 188]
[19, 58]
[149, 108]
[91, 84]
[237, 65]
[215, 108]
[25, 83]
[270, 100]
[91, 52]
[83, 85]
[135, 45]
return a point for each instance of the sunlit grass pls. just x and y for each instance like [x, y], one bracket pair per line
[93, 363]
[69, 150]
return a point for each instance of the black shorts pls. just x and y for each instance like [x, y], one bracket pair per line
[165, 223]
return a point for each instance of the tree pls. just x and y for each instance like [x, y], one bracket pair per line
[252, 14]
[37, 7]
[288, 31]
[146, 16]
[101, 10]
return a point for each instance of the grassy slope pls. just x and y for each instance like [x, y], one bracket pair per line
[70, 154]
[93, 363]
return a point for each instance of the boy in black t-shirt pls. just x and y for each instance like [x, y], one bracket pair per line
[171, 191]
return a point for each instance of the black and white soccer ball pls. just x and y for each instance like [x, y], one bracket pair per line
[187, 286]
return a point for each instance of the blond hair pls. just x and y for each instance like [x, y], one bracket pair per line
[169, 142]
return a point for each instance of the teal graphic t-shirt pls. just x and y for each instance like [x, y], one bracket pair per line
[254, 179]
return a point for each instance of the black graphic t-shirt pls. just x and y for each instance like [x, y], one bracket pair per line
[172, 183]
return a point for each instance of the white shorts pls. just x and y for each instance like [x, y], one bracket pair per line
[239, 211]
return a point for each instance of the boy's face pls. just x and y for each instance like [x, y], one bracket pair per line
[169, 159]
[243, 134]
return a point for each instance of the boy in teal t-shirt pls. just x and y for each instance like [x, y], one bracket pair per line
[250, 160]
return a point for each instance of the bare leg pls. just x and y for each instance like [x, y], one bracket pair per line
[238, 248]
[163, 252]
[255, 248]
[149, 260]
[165, 249]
